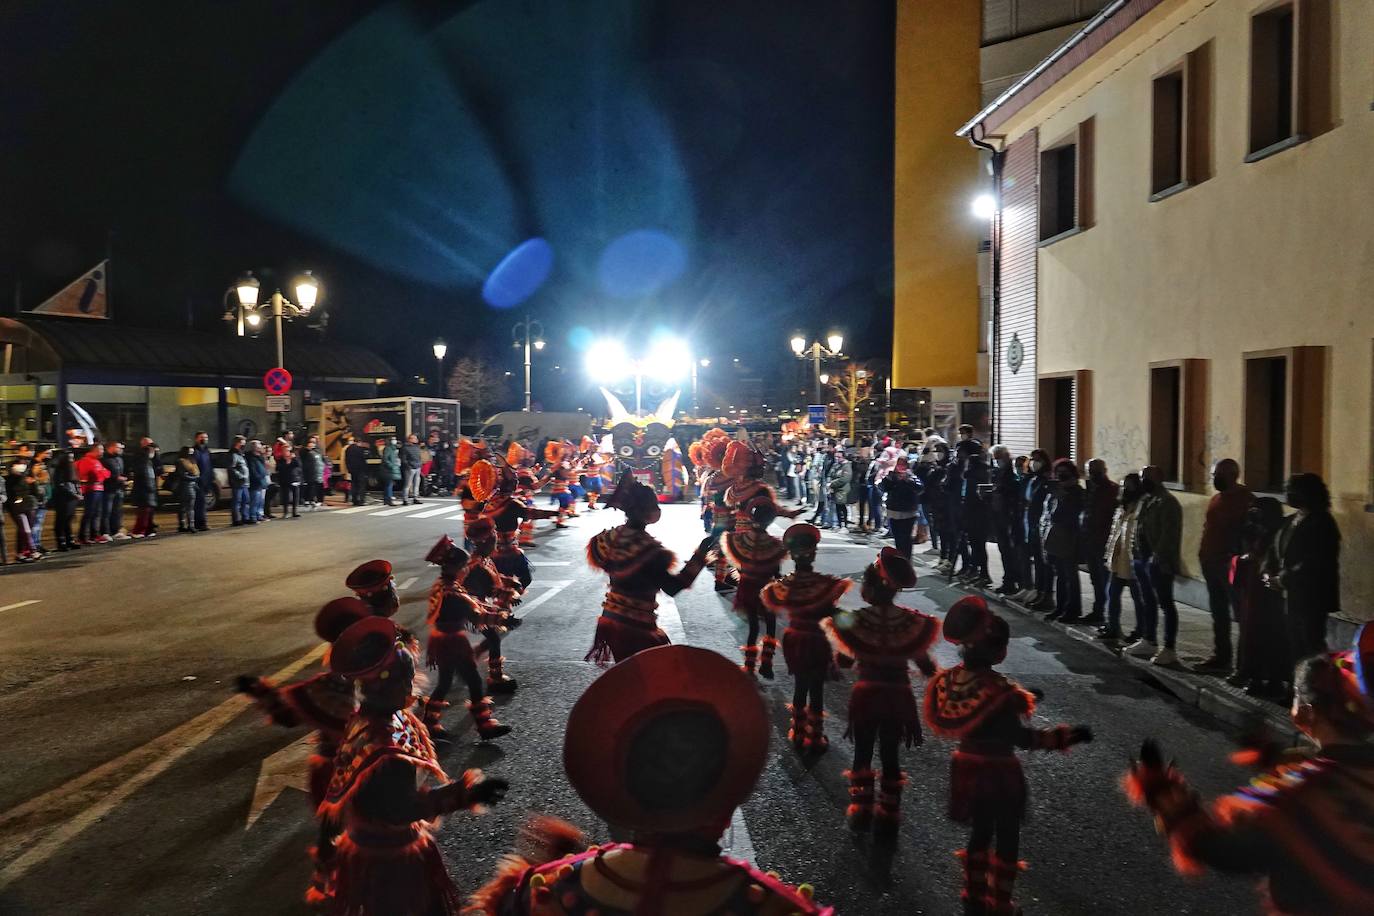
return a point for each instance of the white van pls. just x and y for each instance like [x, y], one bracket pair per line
[530, 429]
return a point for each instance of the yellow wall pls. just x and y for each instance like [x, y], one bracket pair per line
[936, 176]
[1271, 254]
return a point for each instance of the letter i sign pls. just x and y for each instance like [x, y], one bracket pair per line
[277, 381]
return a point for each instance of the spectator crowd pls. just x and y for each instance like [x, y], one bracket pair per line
[1272, 577]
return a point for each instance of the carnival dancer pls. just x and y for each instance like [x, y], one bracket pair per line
[985, 711]
[372, 582]
[496, 488]
[719, 514]
[556, 454]
[589, 467]
[758, 556]
[386, 861]
[883, 638]
[526, 485]
[483, 581]
[807, 598]
[324, 702]
[452, 611]
[664, 748]
[468, 456]
[639, 568]
[1305, 823]
[744, 465]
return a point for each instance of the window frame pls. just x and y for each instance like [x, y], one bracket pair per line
[1081, 139]
[1179, 69]
[1080, 412]
[1192, 422]
[1304, 411]
[1312, 85]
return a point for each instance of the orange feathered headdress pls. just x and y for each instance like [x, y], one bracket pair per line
[714, 433]
[516, 453]
[467, 454]
[740, 459]
[696, 453]
[553, 452]
[482, 480]
[713, 452]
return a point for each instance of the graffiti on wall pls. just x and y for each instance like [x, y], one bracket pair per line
[1122, 446]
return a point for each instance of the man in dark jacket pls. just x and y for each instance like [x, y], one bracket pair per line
[66, 494]
[902, 493]
[443, 464]
[411, 462]
[1038, 573]
[355, 462]
[239, 501]
[1063, 536]
[1099, 508]
[1221, 541]
[201, 454]
[113, 459]
[973, 514]
[1004, 512]
[257, 483]
[1158, 534]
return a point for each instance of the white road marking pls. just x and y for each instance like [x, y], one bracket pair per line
[671, 621]
[406, 584]
[554, 588]
[352, 509]
[455, 518]
[398, 510]
[288, 768]
[18, 604]
[430, 513]
[737, 843]
[33, 832]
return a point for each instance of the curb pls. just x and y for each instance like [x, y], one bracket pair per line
[1214, 697]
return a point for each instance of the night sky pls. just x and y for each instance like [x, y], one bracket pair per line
[722, 169]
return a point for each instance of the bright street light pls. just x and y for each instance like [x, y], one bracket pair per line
[798, 345]
[705, 363]
[247, 290]
[669, 359]
[984, 206]
[825, 378]
[606, 360]
[307, 291]
[440, 349]
[835, 342]
[539, 344]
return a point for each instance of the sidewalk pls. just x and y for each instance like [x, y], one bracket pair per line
[1210, 694]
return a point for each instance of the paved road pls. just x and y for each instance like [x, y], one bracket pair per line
[130, 771]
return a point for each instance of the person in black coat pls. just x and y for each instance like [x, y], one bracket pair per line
[144, 470]
[201, 455]
[902, 494]
[1305, 564]
[113, 459]
[355, 462]
[66, 493]
[1004, 510]
[1061, 527]
[1037, 573]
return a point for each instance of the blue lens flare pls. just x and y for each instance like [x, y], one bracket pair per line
[519, 275]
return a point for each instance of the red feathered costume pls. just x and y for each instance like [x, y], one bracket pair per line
[758, 556]
[985, 711]
[386, 861]
[639, 568]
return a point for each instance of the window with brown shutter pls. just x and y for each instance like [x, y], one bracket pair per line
[1178, 411]
[1284, 420]
[1290, 75]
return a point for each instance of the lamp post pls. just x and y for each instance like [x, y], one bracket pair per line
[440, 351]
[528, 334]
[834, 344]
[249, 312]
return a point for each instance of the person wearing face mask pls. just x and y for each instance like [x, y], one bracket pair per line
[1158, 533]
[973, 513]
[1119, 559]
[1036, 574]
[1098, 510]
[1221, 535]
[1062, 533]
[1003, 510]
[1305, 564]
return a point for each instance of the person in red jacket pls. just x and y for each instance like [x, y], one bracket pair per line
[884, 639]
[985, 711]
[807, 598]
[91, 474]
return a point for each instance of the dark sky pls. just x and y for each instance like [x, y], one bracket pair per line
[739, 151]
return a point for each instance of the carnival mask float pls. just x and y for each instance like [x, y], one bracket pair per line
[645, 447]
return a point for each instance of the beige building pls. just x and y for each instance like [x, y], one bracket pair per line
[1185, 243]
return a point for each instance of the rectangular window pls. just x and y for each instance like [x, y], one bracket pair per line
[1273, 77]
[1285, 415]
[1064, 414]
[1168, 133]
[1166, 420]
[1058, 190]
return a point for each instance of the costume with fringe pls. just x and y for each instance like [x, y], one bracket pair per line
[758, 556]
[807, 598]
[384, 866]
[507, 512]
[883, 641]
[639, 567]
[984, 711]
[1305, 826]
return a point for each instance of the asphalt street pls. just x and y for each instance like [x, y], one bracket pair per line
[133, 781]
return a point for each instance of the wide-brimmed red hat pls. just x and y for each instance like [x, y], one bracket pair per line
[669, 741]
[894, 569]
[801, 535]
[967, 620]
[338, 615]
[369, 577]
[446, 553]
[366, 650]
[480, 529]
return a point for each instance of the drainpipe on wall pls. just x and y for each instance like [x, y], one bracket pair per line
[995, 349]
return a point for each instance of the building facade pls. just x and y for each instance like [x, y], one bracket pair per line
[1183, 244]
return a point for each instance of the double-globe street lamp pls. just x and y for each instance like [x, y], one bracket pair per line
[668, 360]
[249, 313]
[832, 349]
[529, 335]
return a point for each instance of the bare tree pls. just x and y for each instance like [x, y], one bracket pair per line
[477, 383]
[852, 388]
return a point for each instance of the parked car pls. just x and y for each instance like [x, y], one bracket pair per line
[219, 487]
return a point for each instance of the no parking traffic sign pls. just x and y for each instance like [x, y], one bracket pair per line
[277, 381]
